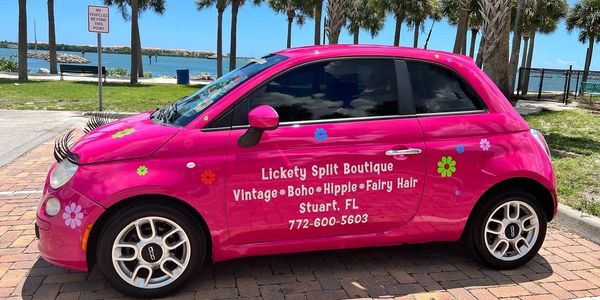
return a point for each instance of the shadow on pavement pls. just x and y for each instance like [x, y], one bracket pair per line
[370, 272]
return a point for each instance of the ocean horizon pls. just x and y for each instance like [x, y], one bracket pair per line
[159, 67]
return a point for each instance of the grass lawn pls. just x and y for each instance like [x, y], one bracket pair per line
[574, 139]
[83, 96]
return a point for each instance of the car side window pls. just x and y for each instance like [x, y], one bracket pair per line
[438, 90]
[338, 89]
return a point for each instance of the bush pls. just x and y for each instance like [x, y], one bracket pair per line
[147, 74]
[117, 72]
[8, 65]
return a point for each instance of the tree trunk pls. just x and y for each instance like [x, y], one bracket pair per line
[479, 60]
[528, 64]
[235, 5]
[463, 50]
[289, 33]
[416, 37]
[524, 61]
[318, 12]
[461, 30]
[588, 58]
[516, 47]
[397, 30]
[356, 33]
[134, 44]
[52, 38]
[140, 61]
[23, 40]
[473, 41]
[219, 43]
[496, 65]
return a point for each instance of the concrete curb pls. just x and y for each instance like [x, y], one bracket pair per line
[586, 225]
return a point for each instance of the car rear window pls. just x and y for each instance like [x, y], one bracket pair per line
[439, 90]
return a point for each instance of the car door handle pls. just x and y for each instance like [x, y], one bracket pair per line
[409, 151]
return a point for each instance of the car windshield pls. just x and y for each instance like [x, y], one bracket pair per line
[185, 110]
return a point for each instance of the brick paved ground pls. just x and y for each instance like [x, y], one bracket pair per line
[568, 266]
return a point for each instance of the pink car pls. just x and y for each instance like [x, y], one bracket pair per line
[306, 149]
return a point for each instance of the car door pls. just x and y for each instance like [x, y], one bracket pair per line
[347, 158]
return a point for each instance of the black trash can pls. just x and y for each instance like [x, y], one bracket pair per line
[183, 76]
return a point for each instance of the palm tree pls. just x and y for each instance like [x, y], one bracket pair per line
[516, 44]
[585, 16]
[235, 5]
[294, 10]
[451, 9]
[318, 11]
[418, 12]
[23, 40]
[461, 30]
[137, 7]
[539, 16]
[399, 10]
[220, 5]
[364, 14]
[336, 18]
[52, 38]
[496, 23]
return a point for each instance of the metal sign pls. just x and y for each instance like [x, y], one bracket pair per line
[98, 20]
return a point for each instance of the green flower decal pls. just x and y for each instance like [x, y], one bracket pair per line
[122, 133]
[205, 118]
[446, 166]
[142, 170]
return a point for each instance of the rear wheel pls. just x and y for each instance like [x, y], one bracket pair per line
[508, 230]
[150, 250]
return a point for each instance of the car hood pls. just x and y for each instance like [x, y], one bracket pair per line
[133, 137]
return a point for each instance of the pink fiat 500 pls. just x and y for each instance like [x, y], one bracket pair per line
[306, 149]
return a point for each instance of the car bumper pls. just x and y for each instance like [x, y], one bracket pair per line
[62, 238]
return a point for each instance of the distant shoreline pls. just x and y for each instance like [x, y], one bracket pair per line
[119, 50]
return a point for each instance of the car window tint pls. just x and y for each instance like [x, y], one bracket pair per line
[328, 90]
[437, 89]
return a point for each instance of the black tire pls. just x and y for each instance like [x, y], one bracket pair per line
[150, 208]
[474, 238]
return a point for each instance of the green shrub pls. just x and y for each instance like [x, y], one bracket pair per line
[117, 72]
[8, 65]
[147, 74]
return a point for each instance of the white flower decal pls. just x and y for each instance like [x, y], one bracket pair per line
[72, 215]
[484, 144]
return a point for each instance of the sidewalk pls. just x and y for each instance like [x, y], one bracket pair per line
[568, 266]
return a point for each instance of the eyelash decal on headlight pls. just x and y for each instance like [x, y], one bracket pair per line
[98, 119]
[61, 148]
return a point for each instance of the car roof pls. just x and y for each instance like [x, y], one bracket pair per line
[342, 50]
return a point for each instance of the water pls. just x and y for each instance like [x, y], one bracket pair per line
[165, 66]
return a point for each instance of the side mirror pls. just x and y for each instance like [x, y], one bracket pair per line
[263, 117]
[260, 118]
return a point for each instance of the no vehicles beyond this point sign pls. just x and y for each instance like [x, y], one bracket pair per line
[98, 19]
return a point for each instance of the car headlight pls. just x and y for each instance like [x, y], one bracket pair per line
[52, 207]
[63, 171]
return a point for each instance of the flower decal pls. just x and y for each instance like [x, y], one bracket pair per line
[142, 170]
[208, 177]
[205, 118]
[460, 149]
[485, 145]
[320, 134]
[122, 133]
[457, 193]
[446, 166]
[72, 215]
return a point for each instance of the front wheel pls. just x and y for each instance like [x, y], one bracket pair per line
[150, 250]
[508, 231]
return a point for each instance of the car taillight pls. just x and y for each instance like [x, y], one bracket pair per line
[541, 140]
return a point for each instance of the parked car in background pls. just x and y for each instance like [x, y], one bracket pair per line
[306, 149]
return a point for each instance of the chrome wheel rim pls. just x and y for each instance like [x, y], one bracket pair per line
[511, 230]
[151, 252]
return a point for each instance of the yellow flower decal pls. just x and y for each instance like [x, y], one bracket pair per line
[205, 118]
[208, 177]
[142, 170]
[122, 133]
[446, 166]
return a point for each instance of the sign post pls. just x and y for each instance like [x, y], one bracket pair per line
[98, 22]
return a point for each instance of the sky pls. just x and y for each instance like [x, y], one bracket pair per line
[260, 31]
